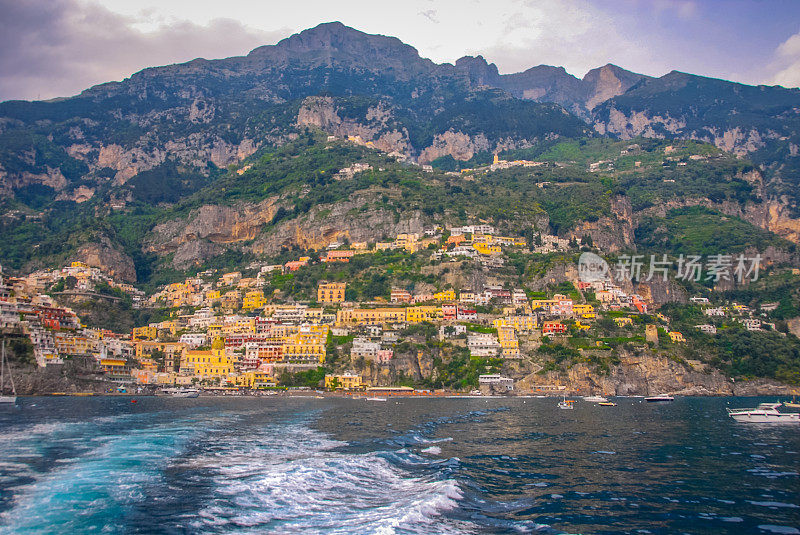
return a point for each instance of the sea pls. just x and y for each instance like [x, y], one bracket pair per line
[405, 466]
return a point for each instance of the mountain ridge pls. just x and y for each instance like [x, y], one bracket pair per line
[167, 132]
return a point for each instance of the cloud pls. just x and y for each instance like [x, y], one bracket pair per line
[570, 33]
[57, 48]
[786, 64]
[430, 14]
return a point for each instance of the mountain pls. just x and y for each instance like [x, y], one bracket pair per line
[180, 165]
[553, 84]
[761, 123]
[204, 114]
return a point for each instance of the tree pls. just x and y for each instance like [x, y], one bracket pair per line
[159, 357]
[335, 383]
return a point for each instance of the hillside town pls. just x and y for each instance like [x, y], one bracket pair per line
[227, 331]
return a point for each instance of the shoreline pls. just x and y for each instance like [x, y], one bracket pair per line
[366, 397]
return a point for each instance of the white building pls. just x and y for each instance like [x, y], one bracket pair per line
[496, 380]
[363, 347]
[450, 331]
[483, 345]
[707, 328]
[193, 340]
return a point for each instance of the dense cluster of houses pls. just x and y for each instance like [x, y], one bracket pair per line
[225, 331]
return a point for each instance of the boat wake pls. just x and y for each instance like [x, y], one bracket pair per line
[292, 479]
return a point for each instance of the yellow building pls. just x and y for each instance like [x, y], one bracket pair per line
[345, 381]
[676, 337]
[623, 321]
[331, 292]
[214, 330]
[581, 327]
[363, 316]
[213, 295]
[423, 313]
[584, 311]
[169, 325]
[445, 295]
[69, 344]
[254, 299]
[518, 323]
[239, 326]
[509, 345]
[117, 368]
[409, 242]
[486, 249]
[306, 346]
[147, 332]
[255, 379]
[211, 364]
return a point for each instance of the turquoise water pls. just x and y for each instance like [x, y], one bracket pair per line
[291, 465]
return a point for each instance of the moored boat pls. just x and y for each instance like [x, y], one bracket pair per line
[183, 392]
[595, 399]
[376, 399]
[607, 404]
[765, 413]
[659, 399]
[566, 404]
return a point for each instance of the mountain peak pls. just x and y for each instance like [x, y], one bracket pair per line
[478, 70]
[332, 42]
[608, 81]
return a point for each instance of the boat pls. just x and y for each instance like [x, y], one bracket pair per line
[595, 399]
[566, 404]
[765, 413]
[792, 404]
[607, 404]
[184, 393]
[5, 369]
[659, 399]
[375, 399]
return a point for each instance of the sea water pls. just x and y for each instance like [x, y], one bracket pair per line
[304, 465]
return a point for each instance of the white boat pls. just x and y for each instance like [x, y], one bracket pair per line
[595, 399]
[184, 393]
[659, 399]
[6, 369]
[765, 413]
[566, 404]
[376, 399]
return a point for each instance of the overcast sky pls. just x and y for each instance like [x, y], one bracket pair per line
[56, 48]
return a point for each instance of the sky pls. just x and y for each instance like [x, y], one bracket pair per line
[53, 48]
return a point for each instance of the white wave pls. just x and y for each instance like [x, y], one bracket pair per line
[434, 450]
[293, 481]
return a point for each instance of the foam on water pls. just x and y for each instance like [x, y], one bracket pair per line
[292, 479]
